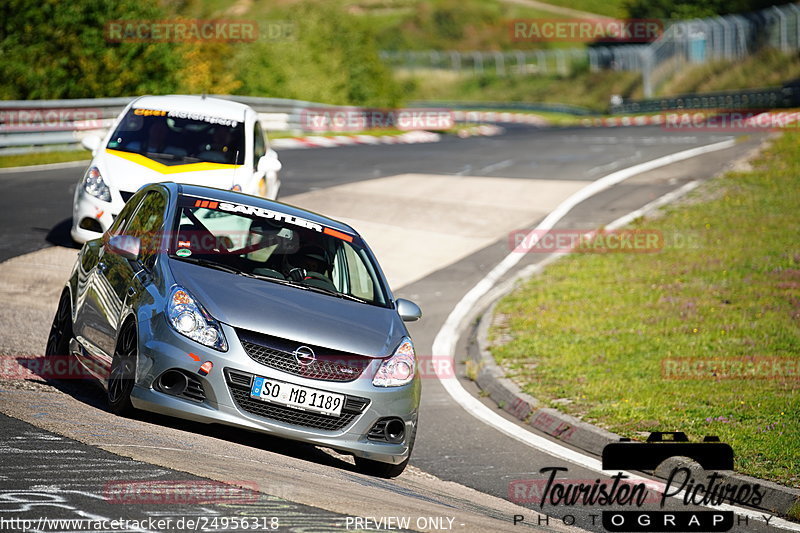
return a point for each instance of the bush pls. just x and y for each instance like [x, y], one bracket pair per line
[57, 49]
[331, 58]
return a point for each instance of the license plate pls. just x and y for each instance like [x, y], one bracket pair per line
[297, 397]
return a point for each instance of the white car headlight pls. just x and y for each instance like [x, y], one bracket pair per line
[399, 369]
[93, 184]
[189, 318]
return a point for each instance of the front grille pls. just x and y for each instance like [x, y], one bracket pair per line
[239, 384]
[277, 353]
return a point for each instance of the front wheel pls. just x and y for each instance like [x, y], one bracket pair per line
[378, 469]
[61, 329]
[123, 372]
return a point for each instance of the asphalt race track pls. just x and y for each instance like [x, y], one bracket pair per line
[438, 217]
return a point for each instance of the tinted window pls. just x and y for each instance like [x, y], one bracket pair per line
[122, 219]
[176, 138]
[276, 248]
[147, 224]
[259, 145]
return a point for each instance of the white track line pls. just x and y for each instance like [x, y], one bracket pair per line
[445, 342]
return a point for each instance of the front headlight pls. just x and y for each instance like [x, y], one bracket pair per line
[93, 184]
[398, 369]
[189, 318]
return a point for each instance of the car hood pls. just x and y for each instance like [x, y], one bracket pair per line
[129, 175]
[291, 313]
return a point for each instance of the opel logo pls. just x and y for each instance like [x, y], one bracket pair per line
[304, 355]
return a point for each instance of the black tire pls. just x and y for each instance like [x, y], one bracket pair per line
[123, 372]
[61, 329]
[386, 470]
[378, 469]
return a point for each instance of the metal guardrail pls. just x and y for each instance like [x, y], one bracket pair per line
[509, 106]
[772, 98]
[684, 42]
[275, 114]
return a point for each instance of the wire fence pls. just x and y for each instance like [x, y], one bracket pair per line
[683, 43]
[519, 62]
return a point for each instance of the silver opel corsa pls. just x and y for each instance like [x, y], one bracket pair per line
[220, 307]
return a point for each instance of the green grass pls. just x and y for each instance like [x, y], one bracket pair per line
[587, 89]
[613, 8]
[768, 68]
[42, 158]
[594, 329]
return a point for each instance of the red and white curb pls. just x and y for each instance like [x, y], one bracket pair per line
[499, 117]
[317, 141]
[614, 122]
[410, 137]
[727, 120]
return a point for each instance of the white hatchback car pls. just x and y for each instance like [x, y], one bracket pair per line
[187, 139]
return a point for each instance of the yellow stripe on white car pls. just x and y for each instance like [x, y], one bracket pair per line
[167, 169]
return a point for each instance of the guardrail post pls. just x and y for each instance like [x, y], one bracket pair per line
[561, 63]
[647, 72]
[782, 28]
[499, 64]
[477, 63]
[522, 66]
[541, 59]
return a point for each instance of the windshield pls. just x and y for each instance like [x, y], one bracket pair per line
[275, 247]
[173, 136]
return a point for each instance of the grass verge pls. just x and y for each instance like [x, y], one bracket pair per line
[43, 158]
[591, 335]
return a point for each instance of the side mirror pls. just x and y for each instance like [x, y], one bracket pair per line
[408, 310]
[269, 162]
[91, 142]
[125, 246]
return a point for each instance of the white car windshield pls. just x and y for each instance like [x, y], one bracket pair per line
[177, 137]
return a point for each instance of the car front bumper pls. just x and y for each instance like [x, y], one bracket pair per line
[162, 349]
[87, 208]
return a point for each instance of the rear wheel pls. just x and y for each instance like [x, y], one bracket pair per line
[123, 372]
[61, 329]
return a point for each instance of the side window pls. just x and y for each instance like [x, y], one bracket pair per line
[360, 280]
[147, 224]
[127, 210]
[259, 145]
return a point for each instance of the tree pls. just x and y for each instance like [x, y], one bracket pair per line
[329, 57]
[58, 49]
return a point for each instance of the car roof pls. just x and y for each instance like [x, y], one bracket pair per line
[195, 104]
[241, 198]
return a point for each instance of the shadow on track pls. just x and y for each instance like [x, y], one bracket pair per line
[59, 235]
[91, 393]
